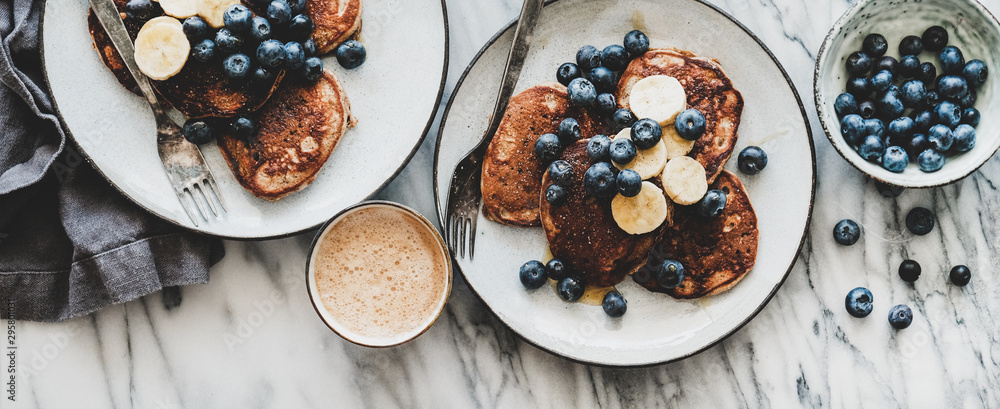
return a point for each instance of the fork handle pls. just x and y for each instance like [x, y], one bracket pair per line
[111, 20]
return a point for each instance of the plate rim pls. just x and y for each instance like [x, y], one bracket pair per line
[200, 229]
[770, 295]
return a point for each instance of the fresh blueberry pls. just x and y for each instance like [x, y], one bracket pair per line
[646, 133]
[712, 204]
[309, 46]
[909, 67]
[902, 126]
[312, 69]
[622, 151]
[606, 104]
[236, 66]
[916, 144]
[975, 72]
[582, 92]
[260, 4]
[599, 181]
[889, 103]
[196, 28]
[846, 232]
[940, 137]
[243, 128]
[935, 38]
[930, 160]
[629, 183]
[874, 126]
[931, 99]
[872, 148]
[752, 160]
[882, 80]
[548, 147]
[567, 72]
[227, 42]
[900, 316]
[920, 221]
[852, 128]
[860, 87]
[690, 124]
[960, 275]
[204, 51]
[909, 270]
[569, 131]
[875, 45]
[279, 13]
[614, 57]
[599, 148]
[859, 302]
[952, 61]
[297, 6]
[887, 190]
[922, 120]
[238, 18]
[588, 58]
[927, 73]
[968, 100]
[556, 195]
[262, 76]
[948, 114]
[603, 79]
[670, 274]
[970, 116]
[895, 159]
[614, 304]
[295, 56]
[300, 27]
[636, 43]
[556, 269]
[570, 288]
[965, 138]
[198, 131]
[351, 54]
[911, 45]
[140, 9]
[866, 109]
[952, 86]
[886, 63]
[858, 63]
[623, 118]
[533, 274]
[260, 29]
[845, 104]
[561, 173]
[271, 54]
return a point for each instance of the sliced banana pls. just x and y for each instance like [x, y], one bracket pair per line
[641, 213]
[676, 146]
[180, 8]
[684, 180]
[213, 10]
[647, 162]
[161, 48]
[658, 97]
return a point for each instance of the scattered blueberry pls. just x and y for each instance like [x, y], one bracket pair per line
[970, 116]
[279, 13]
[614, 304]
[875, 45]
[599, 148]
[260, 29]
[895, 159]
[196, 28]
[198, 131]
[636, 43]
[588, 58]
[872, 148]
[900, 316]
[952, 86]
[860, 87]
[567, 72]
[935, 38]
[351, 54]
[965, 138]
[909, 67]
[623, 118]
[670, 274]
[561, 173]
[238, 18]
[845, 104]
[752, 160]
[271, 54]
[852, 128]
[913, 93]
[569, 131]
[614, 57]
[622, 151]
[599, 181]
[227, 42]
[930, 160]
[140, 9]
[882, 80]
[885, 63]
[941, 137]
[556, 269]
[556, 195]
[690, 124]
[920, 221]
[629, 183]
[548, 147]
[243, 128]
[846, 232]
[911, 45]
[606, 104]
[312, 69]
[646, 133]
[603, 79]
[866, 109]
[533, 274]
[295, 56]
[909, 271]
[960, 275]
[927, 73]
[858, 63]
[236, 66]
[570, 289]
[712, 204]
[859, 302]
[582, 92]
[300, 27]
[947, 113]
[204, 51]
[952, 61]
[975, 72]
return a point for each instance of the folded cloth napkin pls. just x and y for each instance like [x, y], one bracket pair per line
[70, 244]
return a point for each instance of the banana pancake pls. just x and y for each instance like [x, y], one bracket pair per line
[333, 21]
[708, 90]
[297, 130]
[512, 174]
[716, 252]
[584, 235]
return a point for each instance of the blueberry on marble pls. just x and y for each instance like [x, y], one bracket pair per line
[752, 160]
[670, 274]
[900, 316]
[941, 137]
[623, 118]
[236, 66]
[872, 148]
[629, 183]
[599, 181]
[622, 151]
[646, 133]
[930, 160]
[614, 304]
[533, 274]
[196, 28]
[203, 51]
[860, 87]
[975, 72]
[556, 269]
[561, 173]
[970, 116]
[568, 72]
[867, 109]
[846, 232]
[913, 93]
[935, 38]
[351, 54]
[927, 73]
[952, 86]
[887, 190]
[882, 80]
[885, 63]
[636, 43]
[603, 79]
[569, 131]
[874, 126]
[556, 195]
[690, 124]
[922, 120]
[909, 67]
[911, 45]
[260, 29]
[570, 288]
[960, 275]
[858, 63]
[965, 138]
[712, 204]
[614, 57]
[852, 128]
[198, 131]
[895, 159]
[859, 302]
[588, 58]
[875, 45]
[909, 270]
[581, 92]
[947, 113]
[902, 126]
[845, 104]
[952, 61]
[920, 221]
[548, 147]
[599, 148]
[606, 104]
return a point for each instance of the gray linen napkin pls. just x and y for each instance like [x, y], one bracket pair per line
[70, 243]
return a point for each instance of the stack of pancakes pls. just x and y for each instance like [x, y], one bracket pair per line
[716, 252]
[298, 123]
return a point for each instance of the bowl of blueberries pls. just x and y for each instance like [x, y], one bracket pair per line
[904, 90]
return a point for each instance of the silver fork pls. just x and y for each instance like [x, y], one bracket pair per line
[465, 194]
[189, 175]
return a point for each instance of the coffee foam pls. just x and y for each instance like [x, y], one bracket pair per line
[380, 273]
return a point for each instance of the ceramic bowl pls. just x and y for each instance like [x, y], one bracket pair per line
[972, 28]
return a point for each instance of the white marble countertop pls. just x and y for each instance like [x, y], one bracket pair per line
[251, 339]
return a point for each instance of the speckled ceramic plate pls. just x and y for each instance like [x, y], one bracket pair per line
[394, 95]
[656, 328]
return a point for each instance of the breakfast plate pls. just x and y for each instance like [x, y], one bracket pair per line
[394, 97]
[656, 328]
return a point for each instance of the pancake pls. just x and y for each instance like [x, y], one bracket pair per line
[716, 252]
[106, 49]
[708, 89]
[334, 21]
[512, 175]
[297, 130]
[584, 235]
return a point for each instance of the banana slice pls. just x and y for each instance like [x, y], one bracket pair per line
[161, 48]
[179, 8]
[676, 146]
[647, 162]
[659, 97]
[642, 213]
[213, 10]
[684, 180]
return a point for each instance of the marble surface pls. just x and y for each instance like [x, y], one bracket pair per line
[250, 339]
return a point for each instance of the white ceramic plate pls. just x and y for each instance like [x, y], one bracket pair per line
[656, 328]
[394, 95]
